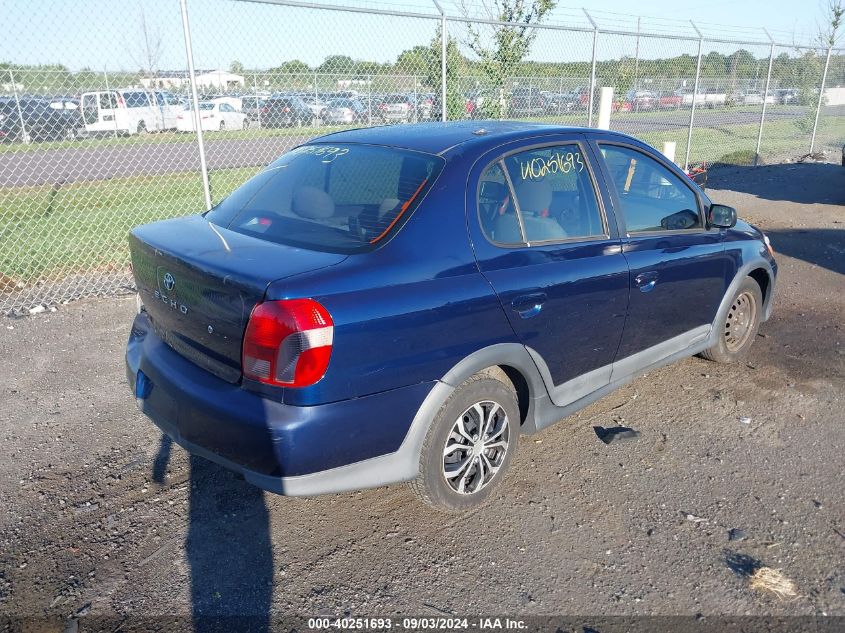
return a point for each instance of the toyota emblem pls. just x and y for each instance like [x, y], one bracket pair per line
[169, 281]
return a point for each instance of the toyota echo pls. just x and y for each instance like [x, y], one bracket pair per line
[402, 303]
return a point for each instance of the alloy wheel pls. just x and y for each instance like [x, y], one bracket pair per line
[476, 447]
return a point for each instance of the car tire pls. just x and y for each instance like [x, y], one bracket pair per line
[245, 125]
[142, 128]
[484, 399]
[69, 134]
[222, 126]
[738, 329]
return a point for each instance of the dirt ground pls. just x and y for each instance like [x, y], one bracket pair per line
[101, 517]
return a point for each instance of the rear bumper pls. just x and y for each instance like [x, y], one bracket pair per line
[281, 448]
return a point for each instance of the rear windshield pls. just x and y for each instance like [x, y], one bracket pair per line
[339, 198]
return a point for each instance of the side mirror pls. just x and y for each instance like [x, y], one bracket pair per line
[721, 216]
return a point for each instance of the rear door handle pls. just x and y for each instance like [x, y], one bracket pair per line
[529, 305]
[646, 281]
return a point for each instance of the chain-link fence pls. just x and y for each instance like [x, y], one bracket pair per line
[116, 115]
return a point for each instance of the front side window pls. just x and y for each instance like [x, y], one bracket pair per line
[554, 194]
[340, 198]
[651, 196]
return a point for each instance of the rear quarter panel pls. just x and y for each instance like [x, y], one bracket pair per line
[407, 312]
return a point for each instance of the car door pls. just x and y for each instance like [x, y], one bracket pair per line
[678, 266]
[543, 241]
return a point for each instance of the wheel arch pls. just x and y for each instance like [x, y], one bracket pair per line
[762, 273]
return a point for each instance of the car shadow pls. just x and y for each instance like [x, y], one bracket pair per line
[821, 247]
[822, 183]
[227, 547]
[229, 551]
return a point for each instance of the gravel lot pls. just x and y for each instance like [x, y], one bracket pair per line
[99, 517]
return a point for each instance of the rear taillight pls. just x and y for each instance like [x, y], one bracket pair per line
[265, 110]
[288, 343]
[285, 109]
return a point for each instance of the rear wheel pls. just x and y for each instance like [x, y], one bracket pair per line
[740, 325]
[222, 126]
[142, 128]
[245, 125]
[469, 445]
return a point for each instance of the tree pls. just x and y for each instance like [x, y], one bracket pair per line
[502, 48]
[150, 46]
[414, 61]
[336, 64]
[455, 104]
[832, 23]
[236, 68]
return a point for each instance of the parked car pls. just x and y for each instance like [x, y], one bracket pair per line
[527, 102]
[251, 106]
[785, 96]
[345, 111]
[72, 111]
[641, 100]
[125, 111]
[669, 101]
[396, 108]
[384, 305]
[236, 102]
[286, 111]
[33, 119]
[559, 102]
[213, 116]
[753, 97]
[169, 108]
[317, 106]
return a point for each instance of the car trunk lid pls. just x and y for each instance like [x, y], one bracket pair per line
[199, 283]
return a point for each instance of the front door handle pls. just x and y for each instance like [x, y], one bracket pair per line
[646, 281]
[529, 305]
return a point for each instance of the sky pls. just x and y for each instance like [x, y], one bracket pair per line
[106, 34]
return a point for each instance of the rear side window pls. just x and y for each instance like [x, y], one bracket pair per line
[338, 198]
[652, 197]
[554, 193]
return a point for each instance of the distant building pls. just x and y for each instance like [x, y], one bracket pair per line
[176, 79]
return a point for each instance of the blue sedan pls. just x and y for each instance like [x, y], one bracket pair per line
[401, 304]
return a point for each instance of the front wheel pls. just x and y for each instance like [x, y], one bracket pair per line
[739, 327]
[245, 125]
[469, 445]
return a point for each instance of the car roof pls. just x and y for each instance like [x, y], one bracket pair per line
[436, 137]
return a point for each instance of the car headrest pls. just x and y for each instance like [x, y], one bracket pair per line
[534, 196]
[387, 205]
[312, 203]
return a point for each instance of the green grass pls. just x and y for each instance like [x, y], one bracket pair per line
[49, 232]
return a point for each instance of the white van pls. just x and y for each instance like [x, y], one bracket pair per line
[125, 111]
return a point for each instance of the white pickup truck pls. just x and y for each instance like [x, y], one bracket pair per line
[709, 97]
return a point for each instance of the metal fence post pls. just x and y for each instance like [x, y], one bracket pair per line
[694, 95]
[592, 68]
[189, 52]
[765, 96]
[821, 98]
[24, 135]
[444, 37]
